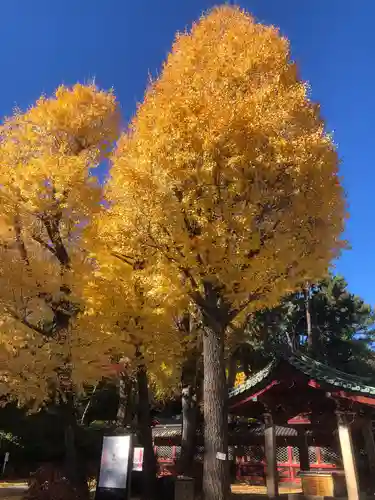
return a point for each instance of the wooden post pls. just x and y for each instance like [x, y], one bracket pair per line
[368, 438]
[270, 453]
[348, 458]
[184, 488]
[304, 462]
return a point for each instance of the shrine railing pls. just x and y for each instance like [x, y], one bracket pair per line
[250, 464]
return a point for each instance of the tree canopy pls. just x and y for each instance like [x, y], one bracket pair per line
[48, 195]
[227, 173]
[227, 184]
[223, 197]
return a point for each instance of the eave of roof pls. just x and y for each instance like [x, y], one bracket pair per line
[255, 379]
[171, 431]
[310, 367]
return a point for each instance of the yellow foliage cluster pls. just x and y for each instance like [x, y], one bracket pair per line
[132, 312]
[225, 180]
[47, 195]
[240, 379]
[227, 175]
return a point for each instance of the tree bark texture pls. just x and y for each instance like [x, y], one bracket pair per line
[309, 329]
[216, 465]
[189, 431]
[145, 432]
[124, 402]
[74, 466]
[191, 380]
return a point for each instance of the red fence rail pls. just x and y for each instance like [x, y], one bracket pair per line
[250, 469]
[251, 465]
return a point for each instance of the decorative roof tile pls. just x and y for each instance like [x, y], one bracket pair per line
[329, 375]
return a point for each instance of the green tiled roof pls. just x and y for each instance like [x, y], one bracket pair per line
[312, 368]
[325, 373]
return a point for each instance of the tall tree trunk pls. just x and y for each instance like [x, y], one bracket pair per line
[74, 466]
[64, 309]
[216, 465]
[145, 431]
[189, 431]
[191, 378]
[123, 402]
[131, 406]
[125, 386]
[309, 330]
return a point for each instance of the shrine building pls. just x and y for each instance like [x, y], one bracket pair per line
[311, 423]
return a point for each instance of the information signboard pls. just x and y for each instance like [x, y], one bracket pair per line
[115, 467]
[138, 459]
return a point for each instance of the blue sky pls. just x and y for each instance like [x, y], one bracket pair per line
[119, 42]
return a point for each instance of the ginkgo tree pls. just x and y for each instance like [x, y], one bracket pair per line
[48, 195]
[227, 183]
[132, 307]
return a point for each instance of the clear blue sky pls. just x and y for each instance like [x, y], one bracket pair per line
[119, 42]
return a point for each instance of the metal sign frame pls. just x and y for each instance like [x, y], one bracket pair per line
[116, 464]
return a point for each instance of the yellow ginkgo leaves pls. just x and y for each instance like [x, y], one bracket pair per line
[47, 197]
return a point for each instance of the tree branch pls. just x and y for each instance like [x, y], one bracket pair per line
[26, 323]
[44, 244]
[19, 240]
[51, 224]
[128, 259]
